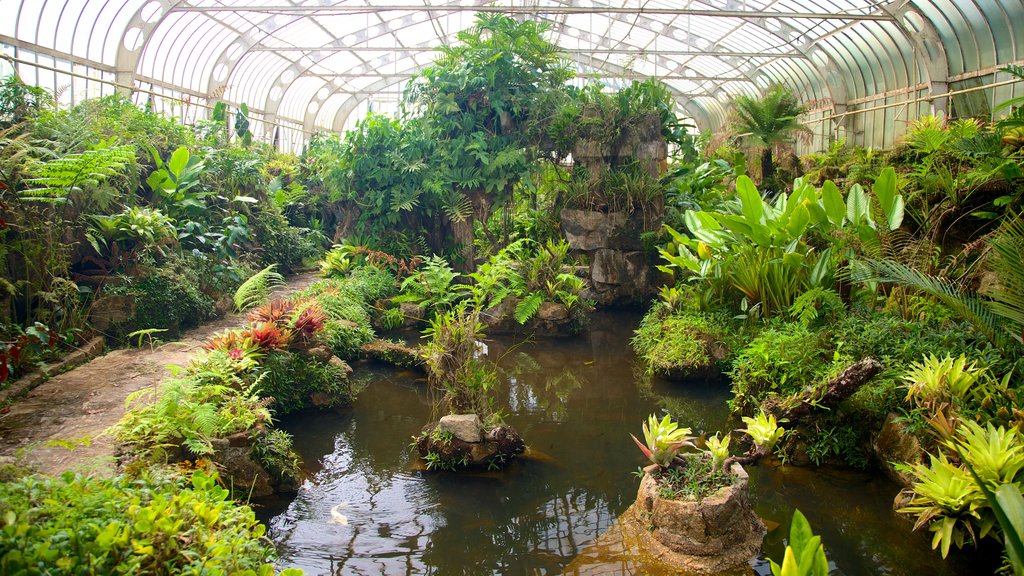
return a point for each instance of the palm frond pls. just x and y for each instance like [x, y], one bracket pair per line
[256, 289]
[1007, 295]
[974, 309]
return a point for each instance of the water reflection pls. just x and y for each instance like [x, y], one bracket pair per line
[574, 402]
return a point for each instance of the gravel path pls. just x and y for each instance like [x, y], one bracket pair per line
[75, 408]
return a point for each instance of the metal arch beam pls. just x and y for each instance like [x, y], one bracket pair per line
[126, 62]
[760, 22]
[538, 10]
[636, 51]
[929, 47]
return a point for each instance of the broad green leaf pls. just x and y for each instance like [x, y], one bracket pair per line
[885, 189]
[798, 220]
[750, 200]
[179, 160]
[858, 207]
[895, 217]
[835, 208]
[821, 271]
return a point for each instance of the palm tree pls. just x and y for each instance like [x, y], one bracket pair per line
[768, 121]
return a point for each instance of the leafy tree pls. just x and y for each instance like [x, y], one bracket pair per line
[478, 102]
[768, 121]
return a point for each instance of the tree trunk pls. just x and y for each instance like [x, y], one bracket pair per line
[767, 165]
[838, 389]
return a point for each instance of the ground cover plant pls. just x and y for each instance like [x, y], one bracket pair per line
[160, 523]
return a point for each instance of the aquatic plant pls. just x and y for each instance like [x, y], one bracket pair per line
[663, 439]
[764, 430]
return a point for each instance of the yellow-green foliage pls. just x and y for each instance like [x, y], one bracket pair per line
[153, 525]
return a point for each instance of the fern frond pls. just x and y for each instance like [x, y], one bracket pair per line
[528, 307]
[256, 289]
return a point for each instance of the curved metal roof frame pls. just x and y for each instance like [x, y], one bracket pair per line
[312, 63]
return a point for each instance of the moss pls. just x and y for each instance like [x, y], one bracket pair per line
[680, 344]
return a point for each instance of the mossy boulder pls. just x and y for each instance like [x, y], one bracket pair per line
[677, 346]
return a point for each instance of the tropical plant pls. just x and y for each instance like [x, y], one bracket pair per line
[662, 440]
[60, 180]
[452, 357]
[998, 312]
[764, 431]
[159, 524]
[719, 450]
[934, 381]
[431, 285]
[177, 184]
[477, 100]
[768, 121]
[948, 501]
[805, 555]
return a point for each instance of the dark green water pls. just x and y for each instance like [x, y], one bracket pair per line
[575, 402]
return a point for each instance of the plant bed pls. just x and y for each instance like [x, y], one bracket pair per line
[551, 319]
[459, 441]
[696, 520]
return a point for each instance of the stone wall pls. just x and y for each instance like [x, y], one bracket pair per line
[620, 272]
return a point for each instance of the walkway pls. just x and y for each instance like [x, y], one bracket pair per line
[59, 426]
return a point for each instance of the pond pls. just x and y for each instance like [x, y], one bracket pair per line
[370, 508]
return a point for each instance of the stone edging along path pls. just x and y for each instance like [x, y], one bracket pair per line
[59, 425]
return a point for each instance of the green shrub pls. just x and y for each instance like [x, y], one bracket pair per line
[345, 339]
[783, 359]
[678, 343]
[153, 525]
[290, 379]
[275, 451]
[187, 412]
[166, 298]
[279, 242]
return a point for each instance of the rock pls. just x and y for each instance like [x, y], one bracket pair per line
[719, 533]
[321, 353]
[111, 310]
[501, 316]
[897, 445]
[552, 312]
[322, 400]
[465, 427]
[339, 363]
[412, 314]
[588, 230]
[494, 449]
[239, 470]
[394, 353]
[609, 267]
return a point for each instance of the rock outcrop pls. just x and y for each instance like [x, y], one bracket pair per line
[711, 536]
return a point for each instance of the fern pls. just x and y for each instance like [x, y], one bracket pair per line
[256, 289]
[528, 307]
[57, 179]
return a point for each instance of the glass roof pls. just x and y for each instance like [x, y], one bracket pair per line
[320, 64]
